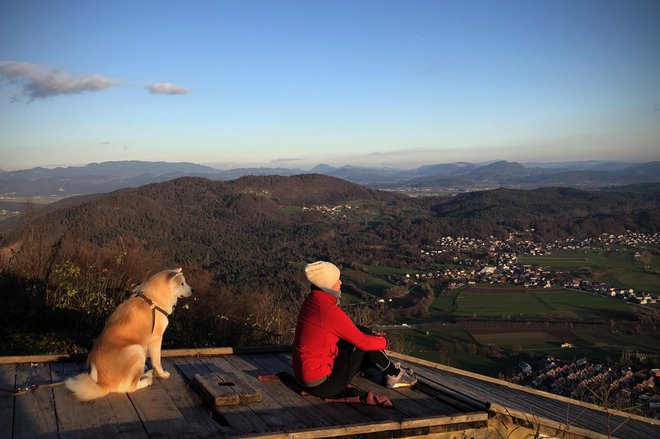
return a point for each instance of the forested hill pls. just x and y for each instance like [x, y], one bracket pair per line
[264, 227]
[553, 213]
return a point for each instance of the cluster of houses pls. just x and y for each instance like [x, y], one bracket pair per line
[332, 210]
[625, 294]
[499, 263]
[586, 381]
[5, 212]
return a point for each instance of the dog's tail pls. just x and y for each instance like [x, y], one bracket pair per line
[85, 387]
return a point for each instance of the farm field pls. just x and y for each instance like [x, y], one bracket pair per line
[598, 345]
[515, 303]
[486, 316]
[616, 267]
[490, 328]
[369, 283]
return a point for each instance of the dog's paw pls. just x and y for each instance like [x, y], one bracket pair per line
[165, 375]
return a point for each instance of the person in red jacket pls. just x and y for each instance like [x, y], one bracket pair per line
[328, 348]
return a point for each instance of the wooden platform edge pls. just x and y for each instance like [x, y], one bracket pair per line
[435, 421]
[34, 359]
[521, 388]
[165, 353]
[545, 422]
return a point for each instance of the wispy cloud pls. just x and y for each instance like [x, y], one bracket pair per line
[38, 82]
[166, 88]
[278, 161]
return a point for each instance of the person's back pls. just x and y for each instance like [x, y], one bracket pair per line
[328, 349]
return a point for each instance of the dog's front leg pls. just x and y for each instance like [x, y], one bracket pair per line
[154, 352]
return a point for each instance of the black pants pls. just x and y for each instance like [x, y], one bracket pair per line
[348, 362]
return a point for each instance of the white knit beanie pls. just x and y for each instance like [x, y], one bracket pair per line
[322, 274]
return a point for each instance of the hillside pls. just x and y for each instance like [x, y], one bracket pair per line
[552, 212]
[242, 244]
[252, 226]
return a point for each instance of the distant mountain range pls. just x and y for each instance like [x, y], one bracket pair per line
[109, 176]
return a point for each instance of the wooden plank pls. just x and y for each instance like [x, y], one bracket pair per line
[404, 400]
[240, 419]
[158, 413]
[190, 403]
[246, 393]
[34, 412]
[368, 413]
[414, 401]
[111, 416]
[435, 406]
[375, 414]
[78, 419]
[320, 414]
[127, 418]
[217, 395]
[196, 352]
[267, 349]
[277, 417]
[474, 389]
[189, 352]
[565, 412]
[7, 380]
[16, 359]
[558, 426]
[484, 378]
[449, 396]
[386, 427]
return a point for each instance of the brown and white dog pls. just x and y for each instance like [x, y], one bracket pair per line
[117, 360]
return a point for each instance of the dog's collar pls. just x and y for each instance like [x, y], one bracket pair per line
[153, 307]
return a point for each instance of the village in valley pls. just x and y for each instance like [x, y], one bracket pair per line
[517, 262]
[501, 263]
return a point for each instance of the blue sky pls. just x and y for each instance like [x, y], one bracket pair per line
[297, 83]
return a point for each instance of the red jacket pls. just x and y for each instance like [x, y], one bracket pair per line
[321, 323]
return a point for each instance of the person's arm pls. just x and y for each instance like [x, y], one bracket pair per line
[344, 328]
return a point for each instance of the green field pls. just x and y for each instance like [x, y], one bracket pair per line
[655, 262]
[379, 270]
[538, 304]
[371, 284]
[523, 324]
[616, 268]
[425, 347]
[528, 340]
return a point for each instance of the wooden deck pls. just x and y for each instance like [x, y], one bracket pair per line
[447, 403]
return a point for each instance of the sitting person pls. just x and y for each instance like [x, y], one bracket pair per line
[328, 349]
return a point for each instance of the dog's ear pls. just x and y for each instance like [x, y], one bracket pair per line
[174, 273]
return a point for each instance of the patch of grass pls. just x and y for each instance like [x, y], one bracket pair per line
[379, 270]
[655, 262]
[617, 341]
[519, 303]
[444, 305]
[290, 210]
[365, 281]
[528, 341]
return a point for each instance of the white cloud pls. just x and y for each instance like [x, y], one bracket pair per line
[287, 160]
[38, 82]
[166, 88]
